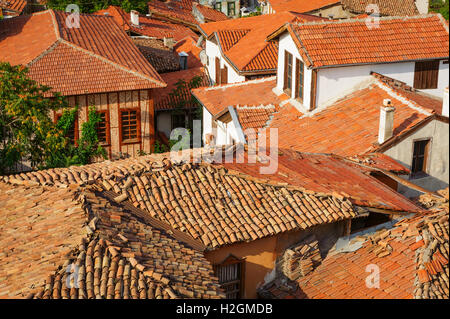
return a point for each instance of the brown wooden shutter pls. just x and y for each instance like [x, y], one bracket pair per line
[297, 76]
[426, 74]
[313, 89]
[285, 70]
[224, 75]
[217, 71]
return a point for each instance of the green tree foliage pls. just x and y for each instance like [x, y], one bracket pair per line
[26, 130]
[87, 146]
[440, 6]
[90, 6]
[182, 99]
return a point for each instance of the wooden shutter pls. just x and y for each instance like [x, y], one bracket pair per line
[217, 71]
[285, 70]
[299, 80]
[426, 74]
[313, 89]
[224, 75]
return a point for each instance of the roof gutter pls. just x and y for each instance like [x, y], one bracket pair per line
[371, 63]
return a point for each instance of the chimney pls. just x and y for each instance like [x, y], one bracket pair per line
[134, 17]
[445, 103]
[183, 60]
[169, 42]
[386, 128]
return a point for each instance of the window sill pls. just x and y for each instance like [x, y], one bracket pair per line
[131, 141]
[418, 175]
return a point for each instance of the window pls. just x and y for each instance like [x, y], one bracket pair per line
[230, 274]
[103, 127]
[231, 9]
[129, 125]
[72, 133]
[218, 6]
[287, 72]
[420, 157]
[426, 75]
[299, 78]
[178, 120]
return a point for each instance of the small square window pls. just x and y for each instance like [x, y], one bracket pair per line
[130, 123]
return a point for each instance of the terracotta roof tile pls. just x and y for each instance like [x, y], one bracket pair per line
[306, 133]
[300, 5]
[396, 39]
[219, 206]
[98, 44]
[426, 101]
[347, 140]
[182, 11]
[17, 6]
[396, 280]
[160, 56]
[109, 250]
[380, 161]
[189, 46]
[250, 93]
[147, 26]
[243, 40]
[329, 174]
[164, 101]
[386, 7]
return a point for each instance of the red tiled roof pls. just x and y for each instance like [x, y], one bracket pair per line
[13, 5]
[161, 57]
[181, 11]
[189, 46]
[350, 41]
[409, 267]
[426, 101]
[250, 93]
[48, 233]
[164, 101]
[311, 133]
[300, 5]
[207, 202]
[338, 129]
[385, 7]
[210, 14]
[243, 41]
[328, 174]
[380, 161]
[254, 117]
[54, 53]
[147, 26]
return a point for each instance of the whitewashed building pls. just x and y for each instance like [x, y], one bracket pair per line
[378, 97]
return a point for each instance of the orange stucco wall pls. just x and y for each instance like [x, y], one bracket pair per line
[259, 260]
[260, 255]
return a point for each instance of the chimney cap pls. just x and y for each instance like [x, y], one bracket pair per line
[387, 102]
